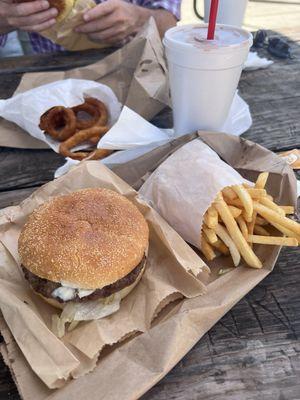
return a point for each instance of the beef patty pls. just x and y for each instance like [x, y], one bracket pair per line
[46, 288]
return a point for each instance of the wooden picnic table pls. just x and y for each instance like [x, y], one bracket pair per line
[253, 352]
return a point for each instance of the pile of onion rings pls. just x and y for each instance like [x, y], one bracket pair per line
[85, 123]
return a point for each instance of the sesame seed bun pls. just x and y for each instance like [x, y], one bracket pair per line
[90, 238]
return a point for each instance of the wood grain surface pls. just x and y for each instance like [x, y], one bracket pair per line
[253, 353]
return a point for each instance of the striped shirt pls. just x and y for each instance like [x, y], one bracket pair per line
[42, 45]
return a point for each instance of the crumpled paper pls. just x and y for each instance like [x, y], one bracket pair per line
[135, 136]
[25, 109]
[170, 274]
[254, 61]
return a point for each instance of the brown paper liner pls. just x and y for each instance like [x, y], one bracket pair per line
[168, 276]
[128, 370]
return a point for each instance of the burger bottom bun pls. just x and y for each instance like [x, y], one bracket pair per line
[123, 293]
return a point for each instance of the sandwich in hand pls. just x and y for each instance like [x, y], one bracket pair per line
[64, 7]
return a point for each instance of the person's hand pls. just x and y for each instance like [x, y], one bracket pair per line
[113, 21]
[33, 16]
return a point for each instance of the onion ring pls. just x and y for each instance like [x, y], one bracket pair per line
[80, 137]
[88, 109]
[98, 154]
[96, 109]
[59, 122]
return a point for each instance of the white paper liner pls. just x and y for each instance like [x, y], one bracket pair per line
[183, 187]
[25, 109]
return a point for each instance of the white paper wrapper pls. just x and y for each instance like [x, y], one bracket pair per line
[25, 109]
[254, 62]
[183, 187]
[119, 157]
[136, 136]
[131, 130]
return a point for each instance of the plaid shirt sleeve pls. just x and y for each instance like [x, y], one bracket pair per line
[3, 40]
[170, 5]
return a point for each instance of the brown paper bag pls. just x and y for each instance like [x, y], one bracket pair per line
[136, 365]
[137, 74]
[167, 277]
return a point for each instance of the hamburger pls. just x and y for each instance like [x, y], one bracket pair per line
[64, 7]
[87, 246]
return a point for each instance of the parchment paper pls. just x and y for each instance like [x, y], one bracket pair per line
[188, 181]
[136, 365]
[168, 276]
[136, 73]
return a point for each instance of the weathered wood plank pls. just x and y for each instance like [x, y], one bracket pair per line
[14, 197]
[25, 168]
[51, 61]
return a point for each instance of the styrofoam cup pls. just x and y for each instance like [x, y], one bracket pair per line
[204, 74]
[230, 12]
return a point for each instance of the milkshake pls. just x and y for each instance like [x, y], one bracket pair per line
[204, 74]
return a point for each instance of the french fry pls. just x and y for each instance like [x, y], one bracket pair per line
[212, 212]
[286, 231]
[245, 198]
[256, 193]
[270, 204]
[247, 253]
[210, 234]
[262, 180]
[260, 221]
[229, 193]
[207, 250]
[235, 203]
[251, 224]
[210, 221]
[273, 216]
[235, 211]
[288, 209]
[223, 235]
[243, 226]
[273, 240]
[246, 186]
[268, 196]
[219, 245]
[259, 230]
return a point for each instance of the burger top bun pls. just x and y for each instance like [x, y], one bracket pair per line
[90, 238]
[63, 7]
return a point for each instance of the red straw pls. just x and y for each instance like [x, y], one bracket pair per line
[212, 19]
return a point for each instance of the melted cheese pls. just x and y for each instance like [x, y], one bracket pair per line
[66, 293]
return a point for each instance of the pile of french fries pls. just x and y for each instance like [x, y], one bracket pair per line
[241, 216]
